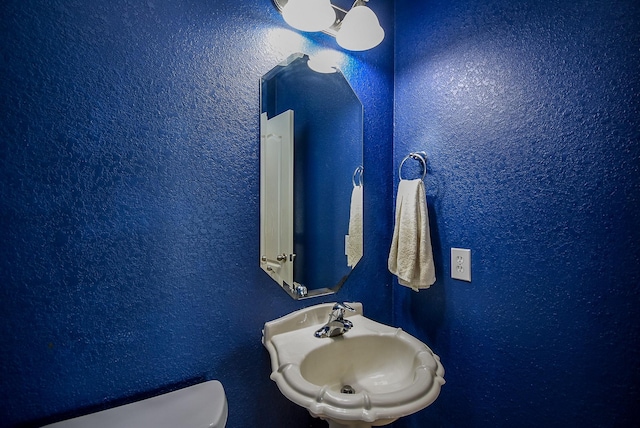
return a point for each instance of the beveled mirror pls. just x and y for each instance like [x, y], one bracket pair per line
[311, 126]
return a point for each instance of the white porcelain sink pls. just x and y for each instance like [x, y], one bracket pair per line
[370, 376]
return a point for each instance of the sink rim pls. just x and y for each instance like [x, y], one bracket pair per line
[303, 318]
[321, 400]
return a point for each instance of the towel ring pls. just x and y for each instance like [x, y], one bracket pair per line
[419, 156]
[357, 174]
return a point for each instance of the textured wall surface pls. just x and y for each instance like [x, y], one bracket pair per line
[129, 179]
[529, 114]
[129, 215]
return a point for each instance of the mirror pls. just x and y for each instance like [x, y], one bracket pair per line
[311, 170]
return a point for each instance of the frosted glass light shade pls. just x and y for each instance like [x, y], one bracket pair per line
[360, 30]
[309, 15]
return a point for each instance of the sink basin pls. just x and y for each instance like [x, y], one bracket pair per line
[370, 376]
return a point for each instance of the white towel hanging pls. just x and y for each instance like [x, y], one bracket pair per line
[411, 255]
[354, 242]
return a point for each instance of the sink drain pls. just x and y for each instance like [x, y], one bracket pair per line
[348, 389]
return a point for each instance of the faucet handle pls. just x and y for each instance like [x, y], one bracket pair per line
[338, 310]
[342, 307]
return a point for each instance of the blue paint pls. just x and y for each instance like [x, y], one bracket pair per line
[529, 113]
[129, 188]
[129, 180]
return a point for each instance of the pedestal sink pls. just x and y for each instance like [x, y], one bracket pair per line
[370, 376]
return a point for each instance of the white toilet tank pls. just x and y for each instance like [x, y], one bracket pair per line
[199, 406]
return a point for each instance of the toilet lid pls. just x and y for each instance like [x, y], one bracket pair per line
[199, 406]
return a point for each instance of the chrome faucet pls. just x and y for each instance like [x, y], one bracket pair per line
[337, 325]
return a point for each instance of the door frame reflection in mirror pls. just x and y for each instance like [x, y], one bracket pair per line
[327, 181]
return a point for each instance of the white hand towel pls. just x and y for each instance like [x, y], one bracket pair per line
[354, 243]
[411, 257]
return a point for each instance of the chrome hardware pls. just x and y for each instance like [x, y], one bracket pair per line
[419, 156]
[301, 290]
[347, 389]
[356, 178]
[280, 257]
[337, 325]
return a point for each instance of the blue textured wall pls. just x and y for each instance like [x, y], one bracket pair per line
[129, 214]
[529, 113]
[129, 179]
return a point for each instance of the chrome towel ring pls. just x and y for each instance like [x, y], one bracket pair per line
[356, 178]
[419, 156]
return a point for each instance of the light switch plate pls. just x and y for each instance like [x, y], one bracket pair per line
[461, 264]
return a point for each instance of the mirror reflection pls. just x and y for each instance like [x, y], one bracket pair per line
[311, 177]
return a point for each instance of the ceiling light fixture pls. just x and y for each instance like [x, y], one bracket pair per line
[357, 29]
[360, 30]
[309, 15]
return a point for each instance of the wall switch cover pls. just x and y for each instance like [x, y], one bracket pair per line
[461, 264]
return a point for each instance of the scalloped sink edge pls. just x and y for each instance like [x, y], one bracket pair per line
[392, 373]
